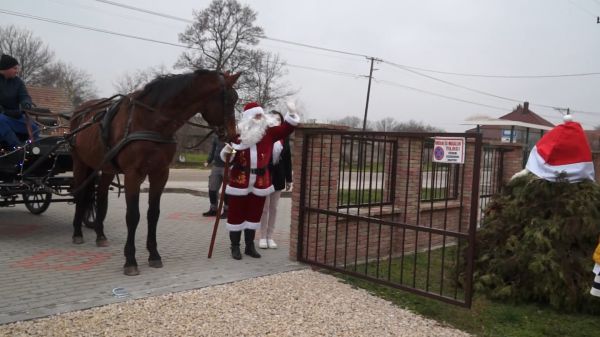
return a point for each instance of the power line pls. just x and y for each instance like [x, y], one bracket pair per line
[297, 66]
[439, 95]
[64, 23]
[500, 76]
[483, 92]
[329, 71]
[113, 3]
[582, 8]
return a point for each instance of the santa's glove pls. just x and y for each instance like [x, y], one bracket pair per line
[227, 150]
[292, 116]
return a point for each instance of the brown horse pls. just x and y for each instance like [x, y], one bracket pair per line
[134, 136]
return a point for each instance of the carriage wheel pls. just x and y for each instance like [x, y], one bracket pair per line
[37, 203]
[89, 217]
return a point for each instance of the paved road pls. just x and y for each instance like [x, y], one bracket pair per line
[43, 273]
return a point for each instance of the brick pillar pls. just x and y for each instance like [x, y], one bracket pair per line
[512, 162]
[322, 177]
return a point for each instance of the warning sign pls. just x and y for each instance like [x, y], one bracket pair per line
[449, 150]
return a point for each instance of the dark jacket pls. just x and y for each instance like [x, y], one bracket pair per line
[281, 173]
[214, 155]
[13, 95]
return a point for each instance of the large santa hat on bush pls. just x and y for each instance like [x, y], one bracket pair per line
[252, 109]
[563, 151]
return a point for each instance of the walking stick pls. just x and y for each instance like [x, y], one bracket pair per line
[220, 207]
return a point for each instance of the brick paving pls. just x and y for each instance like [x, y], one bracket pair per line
[42, 273]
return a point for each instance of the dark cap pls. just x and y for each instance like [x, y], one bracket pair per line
[7, 62]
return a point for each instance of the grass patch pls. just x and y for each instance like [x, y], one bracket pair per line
[352, 197]
[436, 193]
[485, 318]
[192, 160]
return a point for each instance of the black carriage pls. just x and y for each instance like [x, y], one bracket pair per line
[39, 173]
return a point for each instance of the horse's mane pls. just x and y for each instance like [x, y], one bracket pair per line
[164, 87]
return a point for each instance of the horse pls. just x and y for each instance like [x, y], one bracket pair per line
[134, 136]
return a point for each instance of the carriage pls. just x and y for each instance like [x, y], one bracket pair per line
[40, 172]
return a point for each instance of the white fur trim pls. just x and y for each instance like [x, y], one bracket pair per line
[242, 226]
[292, 119]
[240, 147]
[253, 157]
[234, 227]
[230, 190]
[251, 225]
[596, 269]
[250, 113]
[261, 192]
[574, 172]
[595, 291]
[519, 174]
[277, 149]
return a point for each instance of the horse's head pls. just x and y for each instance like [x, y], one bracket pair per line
[219, 111]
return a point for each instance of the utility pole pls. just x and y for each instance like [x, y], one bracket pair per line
[368, 92]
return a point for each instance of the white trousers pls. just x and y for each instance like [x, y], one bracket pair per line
[269, 214]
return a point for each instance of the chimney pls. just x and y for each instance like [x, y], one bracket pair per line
[525, 107]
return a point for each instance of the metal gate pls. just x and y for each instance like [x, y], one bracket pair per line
[374, 205]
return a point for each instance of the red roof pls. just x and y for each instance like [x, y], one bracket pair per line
[523, 114]
[55, 99]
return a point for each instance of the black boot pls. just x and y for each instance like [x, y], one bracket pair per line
[212, 196]
[235, 238]
[249, 239]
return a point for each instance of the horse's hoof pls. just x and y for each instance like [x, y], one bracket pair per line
[131, 271]
[78, 240]
[102, 243]
[155, 263]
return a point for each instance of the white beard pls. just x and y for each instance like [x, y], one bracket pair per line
[252, 130]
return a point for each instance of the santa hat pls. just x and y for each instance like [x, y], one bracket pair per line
[564, 150]
[252, 109]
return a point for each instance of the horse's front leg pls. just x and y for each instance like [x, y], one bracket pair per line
[102, 203]
[132, 217]
[157, 184]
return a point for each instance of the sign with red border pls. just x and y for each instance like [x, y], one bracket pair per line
[449, 150]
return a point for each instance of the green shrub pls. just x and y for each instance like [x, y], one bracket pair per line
[536, 244]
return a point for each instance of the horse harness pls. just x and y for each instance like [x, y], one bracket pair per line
[107, 115]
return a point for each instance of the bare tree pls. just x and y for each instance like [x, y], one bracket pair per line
[222, 37]
[350, 121]
[218, 36]
[263, 80]
[415, 126]
[132, 81]
[33, 55]
[386, 124]
[76, 82]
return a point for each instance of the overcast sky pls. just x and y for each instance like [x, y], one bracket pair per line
[488, 37]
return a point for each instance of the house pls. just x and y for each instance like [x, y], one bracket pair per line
[519, 126]
[54, 99]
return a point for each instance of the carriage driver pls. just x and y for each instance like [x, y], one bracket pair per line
[13, 98]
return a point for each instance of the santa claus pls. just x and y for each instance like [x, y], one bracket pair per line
[249, 179]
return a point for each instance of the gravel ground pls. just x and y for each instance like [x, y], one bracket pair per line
[300, 303]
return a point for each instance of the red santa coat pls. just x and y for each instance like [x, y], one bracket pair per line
[249, 174]
[249, 168]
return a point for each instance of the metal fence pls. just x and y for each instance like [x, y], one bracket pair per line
[375, 206]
